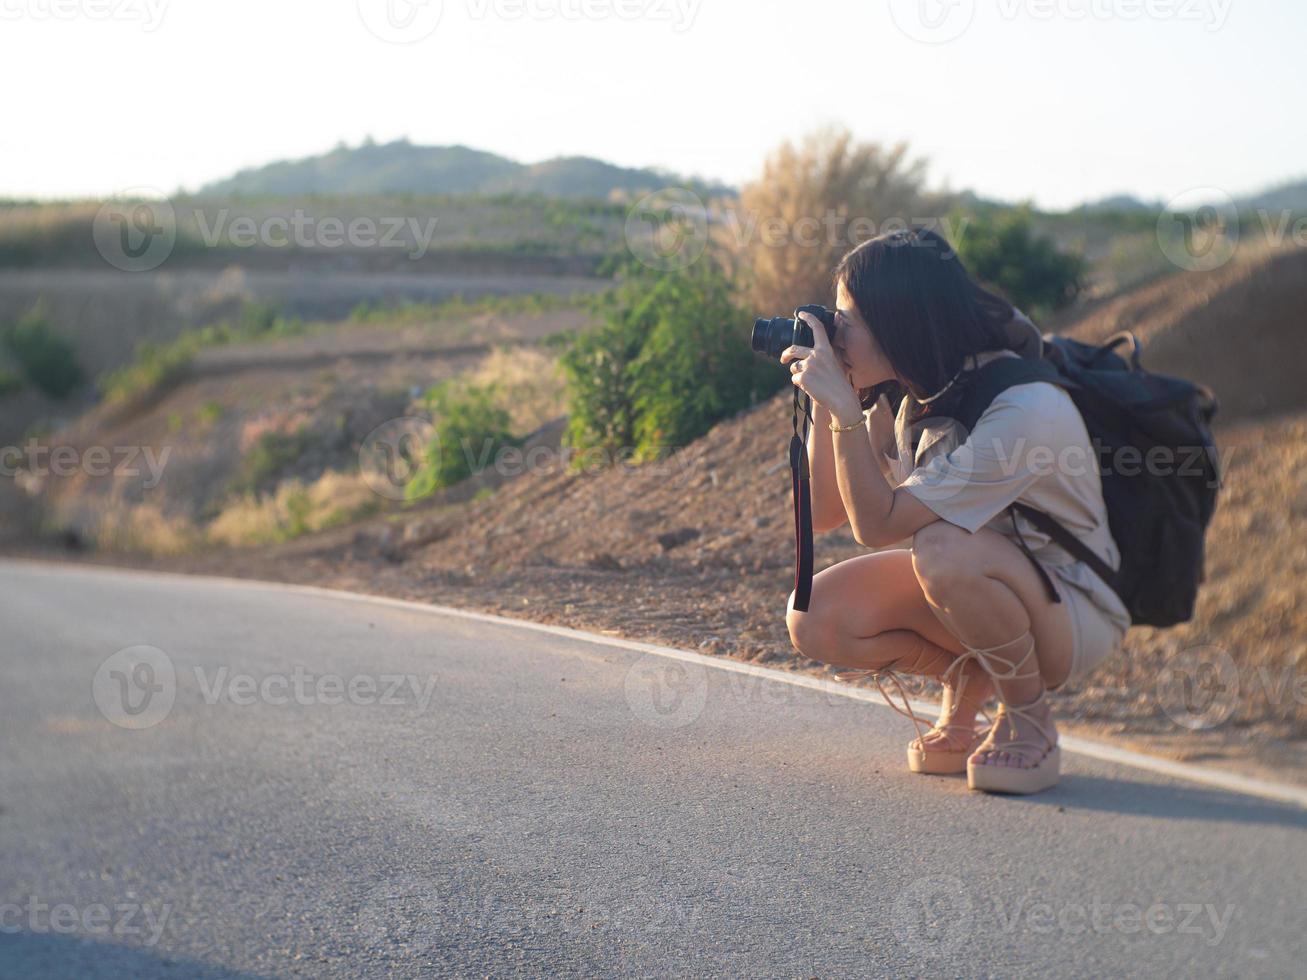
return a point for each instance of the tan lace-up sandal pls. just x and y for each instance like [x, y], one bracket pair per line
[1002, 777]
[947, 761]
[920, 759]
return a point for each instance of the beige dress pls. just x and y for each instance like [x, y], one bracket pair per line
[1029, 445]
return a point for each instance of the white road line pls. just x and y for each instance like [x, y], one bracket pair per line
[1219, 778]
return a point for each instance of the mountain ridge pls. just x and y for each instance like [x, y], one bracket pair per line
[402, 167]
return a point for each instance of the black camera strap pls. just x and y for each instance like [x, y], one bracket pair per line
[802, 488]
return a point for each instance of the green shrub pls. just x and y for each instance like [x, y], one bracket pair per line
[9, 383]
[46, 359]
[1000, 248]
[273, 456]
[155, 366]
[670, 358]
[471, 426]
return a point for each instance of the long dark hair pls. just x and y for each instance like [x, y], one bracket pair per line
[926, 313]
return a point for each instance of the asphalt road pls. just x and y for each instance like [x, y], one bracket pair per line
[203, 778]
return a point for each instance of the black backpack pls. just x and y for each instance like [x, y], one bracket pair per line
[1158, 513]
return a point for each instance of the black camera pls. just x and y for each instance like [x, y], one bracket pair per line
[771, 337]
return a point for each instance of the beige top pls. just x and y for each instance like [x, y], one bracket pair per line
[1029, 445]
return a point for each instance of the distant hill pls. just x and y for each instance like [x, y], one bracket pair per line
[1121, 202]
[1285, 197]
[402, 167]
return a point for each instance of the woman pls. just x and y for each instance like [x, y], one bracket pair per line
[964, 604]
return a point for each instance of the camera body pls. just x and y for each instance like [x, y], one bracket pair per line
[771, 337]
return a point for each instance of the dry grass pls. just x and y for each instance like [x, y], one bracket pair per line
[780, 253]
[295, 509]
[531, 383]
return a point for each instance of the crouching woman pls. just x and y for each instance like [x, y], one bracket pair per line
[964, 604]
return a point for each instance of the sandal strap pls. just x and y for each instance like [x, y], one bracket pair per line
[878, 676]
[1008, 712]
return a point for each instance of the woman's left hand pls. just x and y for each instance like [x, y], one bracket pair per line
[819, 372]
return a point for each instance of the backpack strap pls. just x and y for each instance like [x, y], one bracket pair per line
[1055, 530]
[984, 385]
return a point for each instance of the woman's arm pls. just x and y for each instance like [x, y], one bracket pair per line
[828, 511]
[878, 514]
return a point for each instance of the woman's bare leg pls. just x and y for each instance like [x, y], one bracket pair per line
[870, 612]
[987, 593]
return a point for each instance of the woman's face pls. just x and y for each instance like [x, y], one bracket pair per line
[864, 361]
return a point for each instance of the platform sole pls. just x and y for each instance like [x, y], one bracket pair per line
[1011, 779]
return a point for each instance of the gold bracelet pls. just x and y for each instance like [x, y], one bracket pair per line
[834, 427]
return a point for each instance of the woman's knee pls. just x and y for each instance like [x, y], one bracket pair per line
[941, 556]
[811, 632]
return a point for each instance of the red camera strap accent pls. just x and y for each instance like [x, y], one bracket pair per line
[801, 487]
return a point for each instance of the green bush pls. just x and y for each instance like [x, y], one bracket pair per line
[46, 359]
[670, 358]
[1001, 249]
[157, 365]
[9, 383]
[273, 456]
[471, 426]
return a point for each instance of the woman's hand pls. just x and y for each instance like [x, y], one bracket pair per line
[819, 372]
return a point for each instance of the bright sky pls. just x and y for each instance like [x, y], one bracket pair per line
[1056, 100]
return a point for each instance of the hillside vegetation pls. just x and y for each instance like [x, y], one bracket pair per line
[402, 167]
